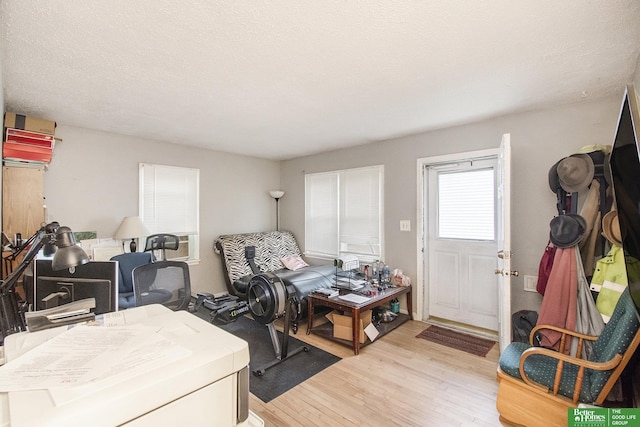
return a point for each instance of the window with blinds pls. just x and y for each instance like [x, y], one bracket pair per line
[466, 205]
[169, 203]
[343, 213]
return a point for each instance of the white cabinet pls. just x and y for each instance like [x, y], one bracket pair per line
[209, 386]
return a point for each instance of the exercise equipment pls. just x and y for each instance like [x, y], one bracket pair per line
[269, 299]
[226, 308]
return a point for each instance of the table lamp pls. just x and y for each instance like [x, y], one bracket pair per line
[131, 227]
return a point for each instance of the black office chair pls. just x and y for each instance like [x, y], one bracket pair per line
[160, 242]
[163, 282]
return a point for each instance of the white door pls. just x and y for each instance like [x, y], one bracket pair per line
[461, 242]
[503, 271]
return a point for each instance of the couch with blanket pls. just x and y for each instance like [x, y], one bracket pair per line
[270, 248]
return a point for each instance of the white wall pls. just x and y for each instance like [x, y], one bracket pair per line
[92, 183]
[538, 139]
[636, 76]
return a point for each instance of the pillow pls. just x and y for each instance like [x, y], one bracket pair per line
[293, 262]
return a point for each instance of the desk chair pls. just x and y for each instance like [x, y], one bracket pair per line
[161, 242]
[163, 282]
[126, 264]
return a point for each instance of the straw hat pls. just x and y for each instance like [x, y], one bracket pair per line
[575, 172]
[611, 228]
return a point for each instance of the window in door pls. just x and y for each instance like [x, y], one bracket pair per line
[169, 203]
[466, 204]
[343, 213]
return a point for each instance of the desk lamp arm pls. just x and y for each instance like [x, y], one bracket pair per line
[11, 315]
[38, 240]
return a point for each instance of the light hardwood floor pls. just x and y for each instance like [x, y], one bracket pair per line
[399, 380]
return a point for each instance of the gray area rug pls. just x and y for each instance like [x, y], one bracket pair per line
[284, 376]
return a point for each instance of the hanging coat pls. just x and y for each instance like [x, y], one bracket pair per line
[591, 214]
[559, 304]
[588, 320]
[610, 280]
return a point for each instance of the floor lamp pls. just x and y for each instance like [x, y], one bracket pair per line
[277, 194]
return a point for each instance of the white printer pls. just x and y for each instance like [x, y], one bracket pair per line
[207, 385]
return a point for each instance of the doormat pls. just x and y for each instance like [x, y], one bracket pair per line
[287, 374]
[458, 340]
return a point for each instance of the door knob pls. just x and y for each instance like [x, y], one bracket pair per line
[514, 273]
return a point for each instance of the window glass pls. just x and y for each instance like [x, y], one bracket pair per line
[466, 205]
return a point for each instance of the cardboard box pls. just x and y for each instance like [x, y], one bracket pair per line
[342, 325]
[20, 121]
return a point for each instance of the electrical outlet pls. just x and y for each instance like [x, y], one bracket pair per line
[405, 225]
[530, 283]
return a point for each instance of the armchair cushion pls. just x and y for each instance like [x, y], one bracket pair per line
[615, 338]
[542, 369]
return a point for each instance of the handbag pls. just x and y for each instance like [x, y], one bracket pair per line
[546, 263]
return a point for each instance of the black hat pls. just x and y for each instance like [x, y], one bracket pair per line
[554, 179]
[567, 230]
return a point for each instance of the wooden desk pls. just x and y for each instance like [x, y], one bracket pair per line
[355, 310]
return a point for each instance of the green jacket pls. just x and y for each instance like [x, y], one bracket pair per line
[610, 279]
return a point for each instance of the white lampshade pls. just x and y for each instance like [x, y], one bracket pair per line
[131, 227]
[276, 194]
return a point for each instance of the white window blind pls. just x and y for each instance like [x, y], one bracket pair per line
[360, 213]
[169, 200]
[321, 214]
[343, 213]
[466, 205]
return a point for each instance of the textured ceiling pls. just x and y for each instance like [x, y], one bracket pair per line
[284, 78]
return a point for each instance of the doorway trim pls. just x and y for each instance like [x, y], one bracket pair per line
[422, 226]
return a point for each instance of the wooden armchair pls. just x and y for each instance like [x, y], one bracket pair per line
[537, 385]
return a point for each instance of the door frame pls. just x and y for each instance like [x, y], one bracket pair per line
[422, 226]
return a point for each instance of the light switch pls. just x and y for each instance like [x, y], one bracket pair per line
[405, 225]
[530, 283]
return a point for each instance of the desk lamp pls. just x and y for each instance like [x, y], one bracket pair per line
[131, 227]
[68, 255]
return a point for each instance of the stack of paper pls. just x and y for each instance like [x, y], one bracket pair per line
[356, 299]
